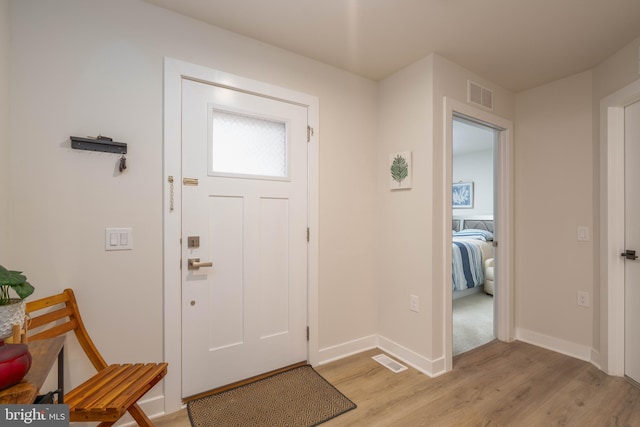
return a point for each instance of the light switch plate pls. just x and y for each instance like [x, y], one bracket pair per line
[118, 239]
[583, 234]
[414, 303]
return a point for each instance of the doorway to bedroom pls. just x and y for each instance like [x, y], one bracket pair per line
[474, 152]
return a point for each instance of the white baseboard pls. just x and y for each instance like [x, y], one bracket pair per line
[555, 344]
[426, 366]
[595, 359]
[340, 351]
[403, 354]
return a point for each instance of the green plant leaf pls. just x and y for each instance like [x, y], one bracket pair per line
[16, 281]
[23, 290]
[399, 169]
[11, 278]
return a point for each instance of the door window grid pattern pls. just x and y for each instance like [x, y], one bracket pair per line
[245, 145]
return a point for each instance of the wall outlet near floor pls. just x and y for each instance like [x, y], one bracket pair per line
[583, 299]
[414, 303]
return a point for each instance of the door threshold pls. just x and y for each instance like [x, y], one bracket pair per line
[244, 382]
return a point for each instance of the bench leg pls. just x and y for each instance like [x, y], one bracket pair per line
[137, 414]
[140, 417]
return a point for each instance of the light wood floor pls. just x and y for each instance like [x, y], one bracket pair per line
[498, 384]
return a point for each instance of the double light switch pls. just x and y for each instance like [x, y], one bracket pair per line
[118, 239]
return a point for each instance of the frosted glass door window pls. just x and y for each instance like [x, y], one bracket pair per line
[248, 146]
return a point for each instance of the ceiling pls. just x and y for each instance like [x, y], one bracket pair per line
[518, 44]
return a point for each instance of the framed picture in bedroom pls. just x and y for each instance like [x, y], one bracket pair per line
[462, 195]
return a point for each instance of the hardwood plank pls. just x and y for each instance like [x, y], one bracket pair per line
[498, 384]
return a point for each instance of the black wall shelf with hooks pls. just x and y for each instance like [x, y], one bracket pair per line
[101, 143]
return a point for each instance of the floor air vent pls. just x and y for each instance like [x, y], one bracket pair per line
[389, 363]
[479, 95]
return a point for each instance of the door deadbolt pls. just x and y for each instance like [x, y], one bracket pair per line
[193, 242]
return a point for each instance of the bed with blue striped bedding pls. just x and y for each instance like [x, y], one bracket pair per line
[468, 264]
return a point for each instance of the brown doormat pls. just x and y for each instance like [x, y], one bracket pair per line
[298, 397]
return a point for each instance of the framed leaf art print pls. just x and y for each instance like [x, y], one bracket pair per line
[400, 170]
[462, 196]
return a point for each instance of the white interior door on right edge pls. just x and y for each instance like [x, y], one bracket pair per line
[632, 242]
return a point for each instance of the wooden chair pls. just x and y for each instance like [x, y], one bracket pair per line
[115, 389]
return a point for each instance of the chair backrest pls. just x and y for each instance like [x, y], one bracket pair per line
[56, 315]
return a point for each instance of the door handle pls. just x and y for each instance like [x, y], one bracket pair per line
[629, 254]
[195, 263]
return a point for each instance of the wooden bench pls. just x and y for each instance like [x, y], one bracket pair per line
[115, 389]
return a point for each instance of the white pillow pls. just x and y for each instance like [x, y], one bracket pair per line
[473, 233]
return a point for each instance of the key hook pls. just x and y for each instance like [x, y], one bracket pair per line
[123, 163]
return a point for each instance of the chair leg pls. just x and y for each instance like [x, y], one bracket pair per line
[140, 417]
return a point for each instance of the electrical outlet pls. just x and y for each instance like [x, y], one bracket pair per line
[583, 299]
[414, 303]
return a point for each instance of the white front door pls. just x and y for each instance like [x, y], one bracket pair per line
[632, 242]
[244, 210]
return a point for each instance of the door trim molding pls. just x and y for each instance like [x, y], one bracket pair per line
[504, 294]
[612, 227]
[174, 71]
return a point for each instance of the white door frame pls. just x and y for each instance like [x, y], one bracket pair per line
[504, 296]
[611, 356]
[174, 71]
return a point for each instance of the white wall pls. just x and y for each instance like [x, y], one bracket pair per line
[616, 72]
[558, 146]
[554, 190]
[476, 167]
[412, 238]
[88, 67]
[4, 133]
[404, 230]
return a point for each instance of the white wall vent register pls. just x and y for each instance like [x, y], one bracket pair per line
[479, 95]
[389, 363]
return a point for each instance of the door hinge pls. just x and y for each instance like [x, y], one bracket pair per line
[307, 333]
[309, 133]
[308, 234]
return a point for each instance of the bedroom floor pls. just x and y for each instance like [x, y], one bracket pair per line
[472, 322]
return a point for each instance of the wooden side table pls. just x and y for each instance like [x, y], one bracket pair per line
[43, 355]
